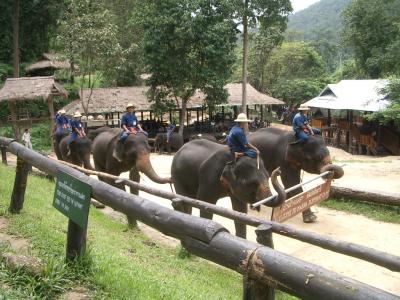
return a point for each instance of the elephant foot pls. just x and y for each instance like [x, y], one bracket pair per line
[309, 217]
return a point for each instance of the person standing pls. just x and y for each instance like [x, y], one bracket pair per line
[237, 140]
[170, 130]
[26, 139]
[301, 125]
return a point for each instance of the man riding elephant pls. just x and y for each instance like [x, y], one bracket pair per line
[62, 125]
[301, 125]
[237, 140]
[130, 125]
[278, 150]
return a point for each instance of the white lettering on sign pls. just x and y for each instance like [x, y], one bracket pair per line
[301, 202]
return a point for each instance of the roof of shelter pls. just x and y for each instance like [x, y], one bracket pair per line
[48, 61]
[362, 95]
[31, 88]
[104, 100]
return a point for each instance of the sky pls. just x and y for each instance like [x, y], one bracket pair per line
[302, 4]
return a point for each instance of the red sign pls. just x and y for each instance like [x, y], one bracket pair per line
[301, 202]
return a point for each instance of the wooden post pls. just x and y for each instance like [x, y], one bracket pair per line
[253, 289]
[187, 117]
[247, 111]
[197, 115]
[3, 155]
[18, 193]
[51, 125]
[76, 241]
[151, 115]
[141, 115]
[262, 112]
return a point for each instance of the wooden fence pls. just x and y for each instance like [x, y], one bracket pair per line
[262, 267]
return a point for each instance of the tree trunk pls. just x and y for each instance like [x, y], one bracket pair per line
[380, 197]
[15, 25]
[245, 61]
[183, 116]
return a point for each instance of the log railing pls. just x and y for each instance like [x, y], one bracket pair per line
[208, 239]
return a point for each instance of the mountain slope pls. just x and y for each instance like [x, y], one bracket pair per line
[321, 17]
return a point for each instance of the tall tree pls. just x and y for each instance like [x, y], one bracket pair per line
[259, 14]
[15, 22]
[371, 30]
[87, 36]
[188, 45]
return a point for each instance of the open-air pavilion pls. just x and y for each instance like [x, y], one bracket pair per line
[110, 103]
[343, 106]
[30, 89]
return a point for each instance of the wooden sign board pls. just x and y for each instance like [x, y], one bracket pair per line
[72, 198]
[301, 202]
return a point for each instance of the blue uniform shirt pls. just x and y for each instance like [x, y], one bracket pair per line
[237, 140]
[129, 120]
[76, 124]
[299, 121]
[61, 120]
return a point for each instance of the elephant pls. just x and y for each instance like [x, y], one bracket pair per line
[205, 170]
[135, 157]
[175, 142]
[204, 136]
[77, 153]
[277, 149]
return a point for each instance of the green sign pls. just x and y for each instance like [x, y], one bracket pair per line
[72, 198]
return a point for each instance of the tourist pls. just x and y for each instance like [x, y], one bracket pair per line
[26, 139]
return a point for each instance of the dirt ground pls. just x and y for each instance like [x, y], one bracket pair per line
[377, 173]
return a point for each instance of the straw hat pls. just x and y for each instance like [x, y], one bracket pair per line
[130, 105]
[242, 118]
[77, 114]
[303, 107]
[61, 111]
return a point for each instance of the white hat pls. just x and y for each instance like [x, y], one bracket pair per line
[77, 114]
[61, 111]
[241, 118]
[303, 107]
[130, 105]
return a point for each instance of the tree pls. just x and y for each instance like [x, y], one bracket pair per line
[187, 46]
[372, 31]
[392, 113]
[88, 36]
[263, 14]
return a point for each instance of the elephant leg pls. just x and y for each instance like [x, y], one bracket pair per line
[239, 206]
[134, 176]
[289, 179]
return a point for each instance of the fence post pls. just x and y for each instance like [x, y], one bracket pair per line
[3, 155]
[18, 193]
[76, 241]
[253, 289]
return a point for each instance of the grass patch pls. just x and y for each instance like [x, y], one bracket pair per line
[120, 264]
[379, 212]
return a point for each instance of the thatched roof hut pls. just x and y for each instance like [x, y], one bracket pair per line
[31, 88]
[107, 100]
[48, 61]
[28, 89]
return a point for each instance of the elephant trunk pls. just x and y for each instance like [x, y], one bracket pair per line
[263, 191]
[277, 201]
[143, 164]
[86, 162]
[337, 170]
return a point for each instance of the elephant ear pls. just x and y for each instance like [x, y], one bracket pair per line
[294, 154]
[228, 176]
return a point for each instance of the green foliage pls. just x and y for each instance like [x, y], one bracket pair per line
[187, 45]
[390, 115]
[372, 30]
[38, 22]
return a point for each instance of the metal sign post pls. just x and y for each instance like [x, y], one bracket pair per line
[72, 198]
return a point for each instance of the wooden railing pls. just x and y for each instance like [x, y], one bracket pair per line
[262, 267]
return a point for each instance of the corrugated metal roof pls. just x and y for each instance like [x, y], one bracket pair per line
[363, 95]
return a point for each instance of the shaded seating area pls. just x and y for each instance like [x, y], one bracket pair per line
[342, 111]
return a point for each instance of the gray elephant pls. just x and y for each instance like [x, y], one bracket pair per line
[77, 152]
[135, 156]
[204, 136]
[205, 170]
[174, 144]
[277, 149]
